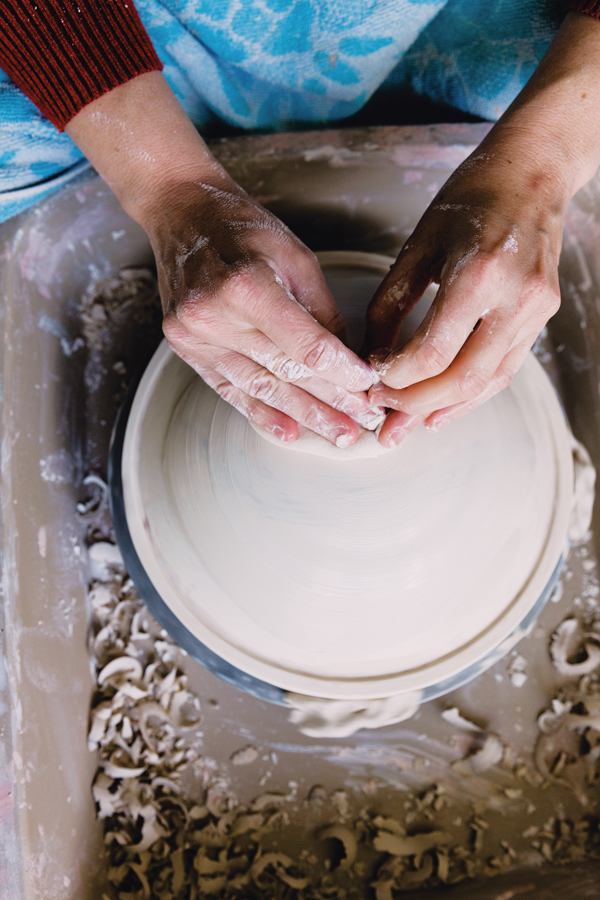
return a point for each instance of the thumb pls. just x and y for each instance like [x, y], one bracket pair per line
[396, 296]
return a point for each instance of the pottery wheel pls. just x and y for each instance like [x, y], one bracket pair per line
[359, 579]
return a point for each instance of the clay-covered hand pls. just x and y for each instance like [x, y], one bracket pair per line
[491, 239]
[245, 302]
[246, 305]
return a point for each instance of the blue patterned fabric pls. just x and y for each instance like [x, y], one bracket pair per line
[276, 64]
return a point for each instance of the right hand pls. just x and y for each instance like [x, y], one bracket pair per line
[245, 302]
[246, 305]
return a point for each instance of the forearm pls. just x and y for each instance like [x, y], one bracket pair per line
[552, 129]
[245, 303]
[142, 143]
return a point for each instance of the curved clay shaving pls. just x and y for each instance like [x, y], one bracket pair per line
[454, 717]
[583, 493]
[568, 749]
[565, 641]
[487, 750]
[160, 844]
[346, 838]
[485, 757]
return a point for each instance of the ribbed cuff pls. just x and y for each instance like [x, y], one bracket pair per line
[590, 7]
[65, 53]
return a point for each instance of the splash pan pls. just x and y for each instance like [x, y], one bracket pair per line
[344, 579]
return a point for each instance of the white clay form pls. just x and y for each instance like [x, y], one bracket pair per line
[382, 575]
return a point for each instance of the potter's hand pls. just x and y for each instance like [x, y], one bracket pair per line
[491, 239]
[495, 256]
[245, 303]
[247, 307]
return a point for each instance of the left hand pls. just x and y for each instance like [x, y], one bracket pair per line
[491, 239]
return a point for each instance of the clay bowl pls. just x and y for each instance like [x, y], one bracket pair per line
[279, 571]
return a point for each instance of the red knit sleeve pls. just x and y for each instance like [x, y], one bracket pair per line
[590, 7]
[65, 53]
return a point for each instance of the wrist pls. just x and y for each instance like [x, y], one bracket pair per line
[155, 195]
[527, 165]
[538, 152]
[139, 139]
[552, 129]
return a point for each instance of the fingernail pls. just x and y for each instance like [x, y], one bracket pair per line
[377, 357]
[278, 432]
[395, 437]
[436, 425]
[382, 361]
[380, 367]
[343, 440]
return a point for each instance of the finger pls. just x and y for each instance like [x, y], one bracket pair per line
[266, 417]
[258, 298]
[298, 269]
[305, 281]
[396, 296]
[506, 371]
[356, 405]
[460, 303]
[260, 384]
[396, 427]
[465, 379]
